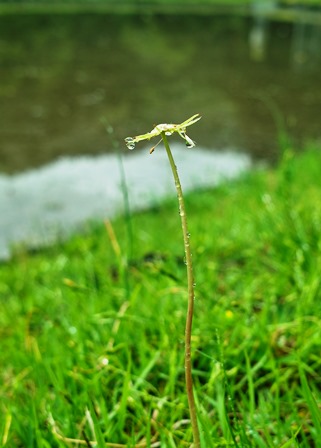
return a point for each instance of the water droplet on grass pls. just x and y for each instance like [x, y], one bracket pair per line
[130, 143]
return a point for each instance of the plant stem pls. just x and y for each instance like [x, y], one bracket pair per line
[190, 306]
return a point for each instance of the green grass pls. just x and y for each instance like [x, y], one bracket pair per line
[94, 351]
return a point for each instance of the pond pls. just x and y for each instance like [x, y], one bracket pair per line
[63, 78]
[72, 87]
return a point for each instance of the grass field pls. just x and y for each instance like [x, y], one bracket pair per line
[92, 329]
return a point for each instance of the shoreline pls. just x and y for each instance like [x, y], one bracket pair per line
[44, 204]
[286, 12]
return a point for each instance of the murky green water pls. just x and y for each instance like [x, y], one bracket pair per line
[61, 75]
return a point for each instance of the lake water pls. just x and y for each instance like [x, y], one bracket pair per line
[39, 205]
[67, 79]
[63, 76]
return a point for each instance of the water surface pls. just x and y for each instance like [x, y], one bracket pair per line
[60, 76]
[40, 205]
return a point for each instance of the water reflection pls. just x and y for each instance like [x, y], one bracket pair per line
[40, 205]
[61, 75]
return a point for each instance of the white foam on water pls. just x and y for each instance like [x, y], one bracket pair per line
[39, 205]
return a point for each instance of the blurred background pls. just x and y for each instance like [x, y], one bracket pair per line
[70, 69]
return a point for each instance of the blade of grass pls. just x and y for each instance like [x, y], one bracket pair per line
[312, 405]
